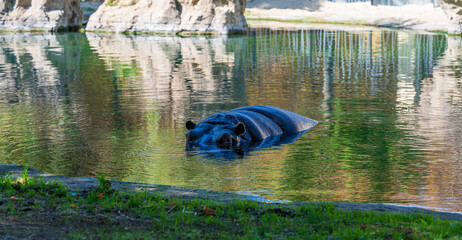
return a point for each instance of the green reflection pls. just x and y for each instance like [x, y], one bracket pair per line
[81, 104]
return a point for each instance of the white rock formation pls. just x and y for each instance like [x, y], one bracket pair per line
[172, 16]
[49, 15]
[453, 9]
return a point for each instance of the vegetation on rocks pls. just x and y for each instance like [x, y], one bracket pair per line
[31, 207]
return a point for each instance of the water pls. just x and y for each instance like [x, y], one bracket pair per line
[389, 104]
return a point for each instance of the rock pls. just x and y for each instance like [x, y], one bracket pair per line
[453, 9]
[169, 16]
[49, 15]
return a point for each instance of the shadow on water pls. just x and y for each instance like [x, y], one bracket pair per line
[246, 149]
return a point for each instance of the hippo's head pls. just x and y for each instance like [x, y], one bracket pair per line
[222, 130]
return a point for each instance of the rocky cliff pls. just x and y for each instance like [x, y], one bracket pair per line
[49, 15]
[172, 16]
[453, 9]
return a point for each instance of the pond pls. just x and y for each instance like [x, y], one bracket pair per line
[389, 106]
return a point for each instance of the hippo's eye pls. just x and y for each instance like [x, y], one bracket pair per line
[192, 135]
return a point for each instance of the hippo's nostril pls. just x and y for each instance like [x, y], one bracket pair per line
[226, 140]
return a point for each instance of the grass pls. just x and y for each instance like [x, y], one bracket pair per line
[112, 3]
[455, 34]
[24, 31]
[180, 33]
[35, 207]
[89, 9]
[61, 29]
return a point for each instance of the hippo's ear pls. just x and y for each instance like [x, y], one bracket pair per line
[190, 125]
[239, 129]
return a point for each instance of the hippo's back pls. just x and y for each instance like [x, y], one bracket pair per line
[263, 121]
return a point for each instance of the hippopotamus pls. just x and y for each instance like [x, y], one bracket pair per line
[241, 126]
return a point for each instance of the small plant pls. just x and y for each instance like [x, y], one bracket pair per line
[5, 181]
[112, 2]
[104, 184]
[24, 176]
[89, 9]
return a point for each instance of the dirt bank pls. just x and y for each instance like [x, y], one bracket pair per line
[417, 17]
[78, 184]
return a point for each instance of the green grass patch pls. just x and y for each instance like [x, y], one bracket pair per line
[455, 35]
[181, 34]
[107, 213]
[24, 31]
[112, 3]
[89, 9]
[188, 33]
[62, 29]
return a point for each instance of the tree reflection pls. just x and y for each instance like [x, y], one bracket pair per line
[81, 104]
[361, 152]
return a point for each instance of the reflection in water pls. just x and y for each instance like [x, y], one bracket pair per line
[36, 107]
[174, 71]
[388, 103]
[436, 119]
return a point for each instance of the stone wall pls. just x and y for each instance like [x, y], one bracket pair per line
[453, 9]
[49, 15]
[173, 16]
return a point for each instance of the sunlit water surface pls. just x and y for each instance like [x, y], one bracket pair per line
[389, 106]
